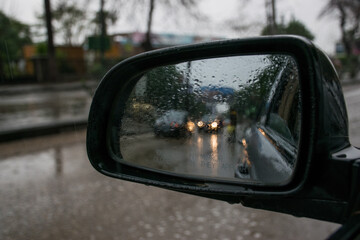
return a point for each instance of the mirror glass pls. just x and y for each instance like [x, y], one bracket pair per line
[233, 118]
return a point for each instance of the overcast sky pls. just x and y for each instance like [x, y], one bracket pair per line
[326, 29]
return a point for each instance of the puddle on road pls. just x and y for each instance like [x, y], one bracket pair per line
[28, 168]
[39, 160]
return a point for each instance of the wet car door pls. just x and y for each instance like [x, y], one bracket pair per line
[275, 134]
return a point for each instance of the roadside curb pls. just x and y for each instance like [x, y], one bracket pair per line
[48, 87]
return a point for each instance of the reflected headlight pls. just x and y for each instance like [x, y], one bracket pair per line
[190, 126]
[200, 124]
[214, 125]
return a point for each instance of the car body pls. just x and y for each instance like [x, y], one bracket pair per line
[275, 131]
[172, 123]
[209, 123]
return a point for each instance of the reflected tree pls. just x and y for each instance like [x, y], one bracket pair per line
[250, 99]
[166, 89]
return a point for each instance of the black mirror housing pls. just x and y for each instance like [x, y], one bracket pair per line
[324, 131]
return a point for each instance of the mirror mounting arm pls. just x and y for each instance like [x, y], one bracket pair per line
[355, 187]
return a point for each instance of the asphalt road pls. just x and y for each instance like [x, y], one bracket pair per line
[203, 154]
[48, 190]
[22, 108]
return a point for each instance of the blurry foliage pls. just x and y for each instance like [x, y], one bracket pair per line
[14, 35]
[41, 49]
[62, 62]
[348, 12]
[63, 65]
[166, 89]
[110, 16]
[68, 19]
[348, 64]
[176, 11]
[294, 27]
[241, 23]
[98, 69]
[249, 100]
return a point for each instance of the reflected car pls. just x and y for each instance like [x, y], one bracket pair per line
[270, 144]
[173, 123]
[209, 123]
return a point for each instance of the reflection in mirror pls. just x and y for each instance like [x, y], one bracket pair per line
[232, 118]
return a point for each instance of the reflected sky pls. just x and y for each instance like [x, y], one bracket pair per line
[231, 72]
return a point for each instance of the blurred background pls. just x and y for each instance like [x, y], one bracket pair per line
[53, 54]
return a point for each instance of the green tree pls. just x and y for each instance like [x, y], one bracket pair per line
[241, 22]
[110, 18]
[175, 10]
[249, 100]
[69, 20]
[294, 27]
[102, 19]
[348, 12]
[298, 28]
[166, 89]
[14, 35]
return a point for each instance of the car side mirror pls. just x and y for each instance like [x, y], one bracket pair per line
[260, 121]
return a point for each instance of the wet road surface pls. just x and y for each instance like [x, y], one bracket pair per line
[48, 190]
[33, 109]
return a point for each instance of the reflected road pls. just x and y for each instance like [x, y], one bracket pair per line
[206, 154]
[201, 154]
